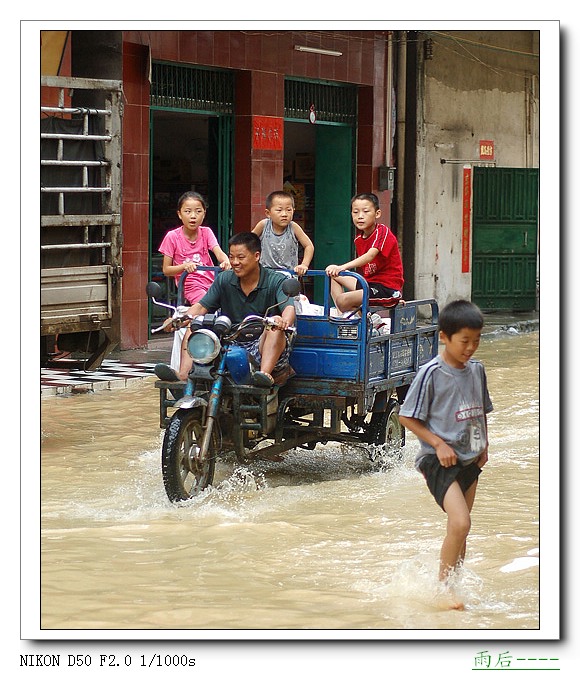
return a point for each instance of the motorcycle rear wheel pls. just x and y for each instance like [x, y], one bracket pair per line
[386, 431]
[385, 427]
[184, 475]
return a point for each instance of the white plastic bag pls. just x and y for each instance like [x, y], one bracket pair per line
[176, 350]
[306, 308]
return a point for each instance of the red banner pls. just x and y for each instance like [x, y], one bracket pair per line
[466, 221]
[267, 133]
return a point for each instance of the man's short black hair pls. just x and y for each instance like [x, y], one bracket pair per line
[248, 239]
[460, 314]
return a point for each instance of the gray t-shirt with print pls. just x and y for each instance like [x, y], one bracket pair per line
[279, 251]
[453, 403]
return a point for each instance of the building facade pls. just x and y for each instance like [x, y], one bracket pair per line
[472, 231]
[325, 114]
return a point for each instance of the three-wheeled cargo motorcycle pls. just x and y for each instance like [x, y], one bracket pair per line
[350, 378]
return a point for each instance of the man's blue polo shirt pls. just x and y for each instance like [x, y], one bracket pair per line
[226, 294]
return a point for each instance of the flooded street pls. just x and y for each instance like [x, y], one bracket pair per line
[321, 541]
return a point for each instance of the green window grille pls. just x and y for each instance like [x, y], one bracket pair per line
[178, 86]
[333, 103]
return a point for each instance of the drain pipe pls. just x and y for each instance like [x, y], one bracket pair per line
[389, 103]
[400, 130]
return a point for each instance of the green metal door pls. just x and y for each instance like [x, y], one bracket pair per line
[220, 162]
[335, 105]
[333, 234]
[505, 235]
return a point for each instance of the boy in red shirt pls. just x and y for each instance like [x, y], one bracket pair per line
[378, 258]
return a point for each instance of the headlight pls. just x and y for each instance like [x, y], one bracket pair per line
[203, 346]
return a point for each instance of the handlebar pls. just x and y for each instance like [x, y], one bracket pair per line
[185, 274]
[177, 320]
[180, 320]
[265, 321]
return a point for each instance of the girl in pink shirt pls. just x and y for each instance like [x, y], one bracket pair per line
[188, 246]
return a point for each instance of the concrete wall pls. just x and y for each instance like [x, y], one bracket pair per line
[477, 86]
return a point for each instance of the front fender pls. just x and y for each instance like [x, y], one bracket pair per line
[191, 401]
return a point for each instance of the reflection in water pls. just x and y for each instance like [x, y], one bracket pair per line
[320, 541]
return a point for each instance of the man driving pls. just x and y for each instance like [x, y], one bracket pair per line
[248, 288]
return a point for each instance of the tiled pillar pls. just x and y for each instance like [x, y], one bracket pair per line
[257, 171]
[135, 206]
[371, 146]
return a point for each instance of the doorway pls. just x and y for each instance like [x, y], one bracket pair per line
[318, 171]
[189, 152]
[319, 162]
[191, 149]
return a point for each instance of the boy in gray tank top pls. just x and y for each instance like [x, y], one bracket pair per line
[281, 237]
[446, 407]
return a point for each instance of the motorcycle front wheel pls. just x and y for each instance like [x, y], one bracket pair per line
[184, 475]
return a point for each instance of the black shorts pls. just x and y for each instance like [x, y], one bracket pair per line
[439, 478]
[377, 290]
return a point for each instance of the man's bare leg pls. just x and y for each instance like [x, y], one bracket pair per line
[272, 344]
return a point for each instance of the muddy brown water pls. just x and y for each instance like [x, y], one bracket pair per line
[324, 541]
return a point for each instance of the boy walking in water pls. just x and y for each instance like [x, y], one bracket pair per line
[378, 258]
[280, 236]
[446, 407]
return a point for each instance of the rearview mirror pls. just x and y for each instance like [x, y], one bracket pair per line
[291, 287]
[153, 290]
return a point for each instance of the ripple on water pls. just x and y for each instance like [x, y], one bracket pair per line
[326, 538]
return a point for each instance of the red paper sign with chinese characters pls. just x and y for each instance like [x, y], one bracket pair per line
[267, 133]
[486, 150]
[466, 221]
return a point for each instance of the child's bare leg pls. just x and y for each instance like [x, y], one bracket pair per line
[186, 361]
[349, 300]
[469, 500]
[458, 526]
[335, 291]
[337, 286]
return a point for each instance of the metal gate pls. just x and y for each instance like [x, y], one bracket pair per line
[505, 238]
[81, 215]
[180, 87]
[333, 102]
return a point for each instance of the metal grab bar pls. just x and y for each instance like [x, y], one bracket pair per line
[74, 190]
[75, 163]
[88, 138]
[78, 109]
[77, 246]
